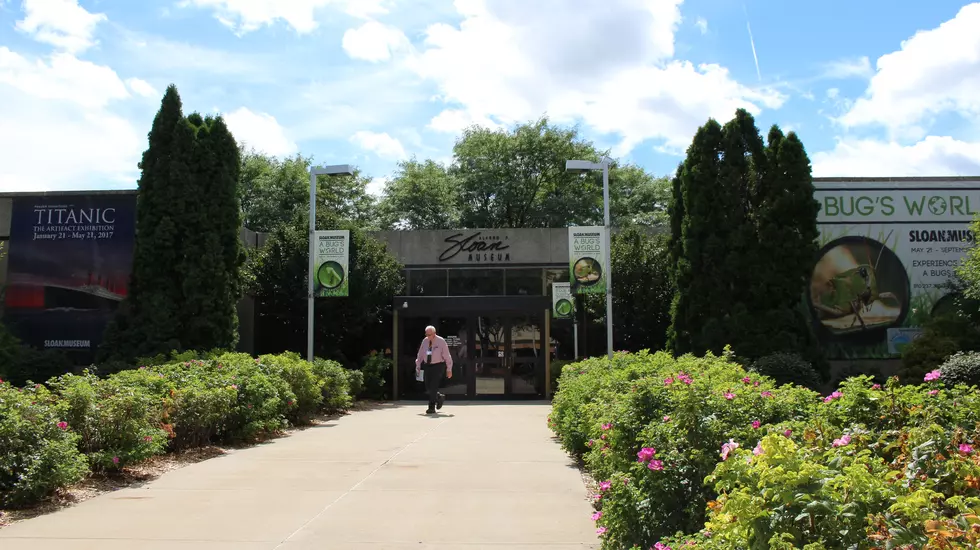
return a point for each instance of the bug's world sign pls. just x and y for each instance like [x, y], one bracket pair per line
[332, 273]
[888, 251]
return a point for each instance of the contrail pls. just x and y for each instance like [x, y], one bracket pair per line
[755, 56]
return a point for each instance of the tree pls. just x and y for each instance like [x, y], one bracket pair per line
[346, 328]
[746, 242]
[185, 280]
[273, 191]
[642, 292]
[421, 195]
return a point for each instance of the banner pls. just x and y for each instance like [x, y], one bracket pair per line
[888, 252]
[587, 269]
[562, 301]
[68, 268]
[331, 263]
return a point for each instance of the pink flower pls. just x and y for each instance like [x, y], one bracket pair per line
[833, 396]
[596, 498]
[601, 531]
[728, 448]
[933, 392]
[932, 375]
[756, 384]
[63, 425]
[756, 424]
[605, 486]
[148, 438]
[603, 436]
[596, 516]
[607, 426]
[683, 377]
[645, 454]
[656, 465]
[729, 395]
[876, 387]
[966, 449]
[758, 449]
[590, 443]
[115, 460]
[746, 380]
[669, 380]
[767, 393]
[843, 441]
[660, 546]
[666, 419]
[788, 433]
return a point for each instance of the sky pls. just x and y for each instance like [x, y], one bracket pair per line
[872, 87]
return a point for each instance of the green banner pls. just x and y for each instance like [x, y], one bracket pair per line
[331, 265]
[562, 301]
[587, 269]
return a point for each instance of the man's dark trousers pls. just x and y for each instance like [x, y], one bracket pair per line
[433, 373]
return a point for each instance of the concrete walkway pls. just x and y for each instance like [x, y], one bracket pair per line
[478, 476]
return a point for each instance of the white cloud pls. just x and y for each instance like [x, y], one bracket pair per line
[933, 156]
[141, 87]
[61, 23]
[607, 64]
[858, 67]
[59, 131]
[454, 121]
[936, 71]
[260, 131]
[381, 144]
[376, 186]
[702, 24]
[374, 42]
[248, 15]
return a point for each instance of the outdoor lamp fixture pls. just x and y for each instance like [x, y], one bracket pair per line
[335, 170]
[588, 166]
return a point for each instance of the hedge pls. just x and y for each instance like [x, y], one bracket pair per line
[54, 434]
[700, 453]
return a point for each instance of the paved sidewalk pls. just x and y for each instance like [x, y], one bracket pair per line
[478, 476]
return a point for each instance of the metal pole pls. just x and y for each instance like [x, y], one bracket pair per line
[309, 296]
[575, 331]
[605, 200]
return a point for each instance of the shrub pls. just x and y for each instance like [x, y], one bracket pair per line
[652, 427]
[376, 368]
[962, 368]
[788, 368]
[303, 382]
[264, 398]
[942, 336]
[556, 367]
[118, 424]
[355, 379]
[336, 389]
[38, 453]
[20, 364]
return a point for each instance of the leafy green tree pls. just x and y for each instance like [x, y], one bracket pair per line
[273, 191]
[346, 328]
[421, 195]
[968, 272]
[642, 293]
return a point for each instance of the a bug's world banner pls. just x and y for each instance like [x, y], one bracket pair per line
[332, 263]
[888, 251]
[68, 268]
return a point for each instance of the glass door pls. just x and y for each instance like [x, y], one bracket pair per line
[526, 355]
[489, 355]
[454, 330]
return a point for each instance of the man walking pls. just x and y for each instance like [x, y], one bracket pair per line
[433, 359]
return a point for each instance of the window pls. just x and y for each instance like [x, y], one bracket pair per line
[426, 282]
[476, 282]
[524, 282]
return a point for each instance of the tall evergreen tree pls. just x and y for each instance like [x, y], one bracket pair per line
[185, 280]
[746, 242]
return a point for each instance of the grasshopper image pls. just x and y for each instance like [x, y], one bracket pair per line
[853, 292]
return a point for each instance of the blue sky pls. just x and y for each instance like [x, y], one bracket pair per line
[874, 88]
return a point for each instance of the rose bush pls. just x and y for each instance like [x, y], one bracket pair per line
[689, 458]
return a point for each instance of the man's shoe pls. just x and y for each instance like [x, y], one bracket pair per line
[430, 411]
[440, 401]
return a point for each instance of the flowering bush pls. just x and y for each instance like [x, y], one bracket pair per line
[962, 368]
[864, 467]
[38, 452]
[375, 370]
[653, 427]
[336, 389]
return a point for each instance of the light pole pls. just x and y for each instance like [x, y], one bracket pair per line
[335, 170]
[585, 166]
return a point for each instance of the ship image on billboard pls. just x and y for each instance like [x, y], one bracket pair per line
[69, 262]
[888, 252]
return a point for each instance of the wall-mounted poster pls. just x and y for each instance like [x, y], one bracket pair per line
[331, 275]
[888, 251]
[587, 257]
[68, 268]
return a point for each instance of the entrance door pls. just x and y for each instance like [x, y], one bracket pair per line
[526, 355]
[490, 371]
